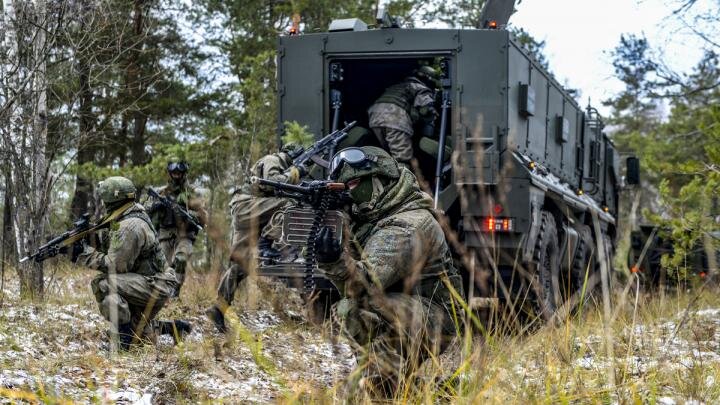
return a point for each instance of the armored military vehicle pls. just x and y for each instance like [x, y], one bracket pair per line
[518, 167]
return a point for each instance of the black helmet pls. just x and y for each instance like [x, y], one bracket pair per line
[427, 75]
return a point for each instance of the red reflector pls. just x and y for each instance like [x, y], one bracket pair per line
[498, 209]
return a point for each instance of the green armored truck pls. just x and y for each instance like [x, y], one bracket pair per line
[517, 166]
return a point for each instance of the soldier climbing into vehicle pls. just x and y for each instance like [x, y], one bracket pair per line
[395, 272]
[135, 280]
[403, 108]
[177, 232]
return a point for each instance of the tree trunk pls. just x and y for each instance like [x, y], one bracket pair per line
[25, 134]
[8, 258]
[86, 149]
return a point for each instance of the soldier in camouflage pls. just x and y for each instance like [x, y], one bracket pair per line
[176, 234]
[401, 109]
[135, 280]
[396, 275]
[252, 206]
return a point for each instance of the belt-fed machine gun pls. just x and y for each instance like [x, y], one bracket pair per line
[319, 204]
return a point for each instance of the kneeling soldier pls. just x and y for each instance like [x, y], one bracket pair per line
[397, 276]
[135, 280]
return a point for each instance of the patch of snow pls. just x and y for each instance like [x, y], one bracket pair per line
[587, 362]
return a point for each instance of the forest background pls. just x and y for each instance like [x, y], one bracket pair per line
[91, 88]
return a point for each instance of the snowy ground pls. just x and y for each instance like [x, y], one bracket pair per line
[59, 351]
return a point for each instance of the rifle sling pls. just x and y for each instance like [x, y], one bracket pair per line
[105, 222]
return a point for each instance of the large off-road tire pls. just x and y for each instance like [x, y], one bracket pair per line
[584, 264]
[545, 269]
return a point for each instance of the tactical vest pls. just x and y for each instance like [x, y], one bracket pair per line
[151, 259]
[400, 94]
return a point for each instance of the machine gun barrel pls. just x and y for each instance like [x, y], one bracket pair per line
[309, 190]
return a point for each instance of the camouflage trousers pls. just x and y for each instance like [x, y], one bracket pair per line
[136, 299]
[393, 335]
[398, 143]
[178, 251]
[251, 218]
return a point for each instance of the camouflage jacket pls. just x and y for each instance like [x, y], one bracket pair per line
[133, 248]
[397, 246]
[275, 167]
[402, 105]
[166, 221]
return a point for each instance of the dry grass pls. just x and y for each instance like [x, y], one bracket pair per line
[56, 351]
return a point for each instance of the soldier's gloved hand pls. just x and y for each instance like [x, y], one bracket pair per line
[295, 173]
[155, 208]
[77, 249]
[302, 170]
[327, 248]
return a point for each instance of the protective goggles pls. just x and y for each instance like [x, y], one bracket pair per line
[355, 157]
[178, 167]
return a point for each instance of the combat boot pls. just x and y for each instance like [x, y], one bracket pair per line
[125, 336]
[217, 317]
[177, 328]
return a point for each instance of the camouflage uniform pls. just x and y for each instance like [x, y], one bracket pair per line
[176, 235]
[251, 208]
[394, 115]
[135, 280]
[397, 308]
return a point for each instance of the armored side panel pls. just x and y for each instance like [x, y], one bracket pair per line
[300, 81]
[550, 135]
[481, 84]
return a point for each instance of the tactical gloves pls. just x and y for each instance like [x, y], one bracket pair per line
[77, 249]
[327, 248]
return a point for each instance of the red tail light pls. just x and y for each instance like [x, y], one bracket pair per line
[492, 224]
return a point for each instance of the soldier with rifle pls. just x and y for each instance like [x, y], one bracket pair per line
[394, 271]
[251, 209]
[178, 214]
[253, 206]
[135, 280]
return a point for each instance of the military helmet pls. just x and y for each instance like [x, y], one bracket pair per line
[176, 165]
[116, 189]
[353, 163]
[427, 75]
[292, 149]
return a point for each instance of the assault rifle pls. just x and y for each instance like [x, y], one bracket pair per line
[81, 229]
[176, 208]
[322, 196]
[325, 146]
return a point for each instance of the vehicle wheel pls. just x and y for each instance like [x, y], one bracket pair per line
[585, 262]
[546, 269]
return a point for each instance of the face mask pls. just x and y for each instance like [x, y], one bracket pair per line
[363, 192]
